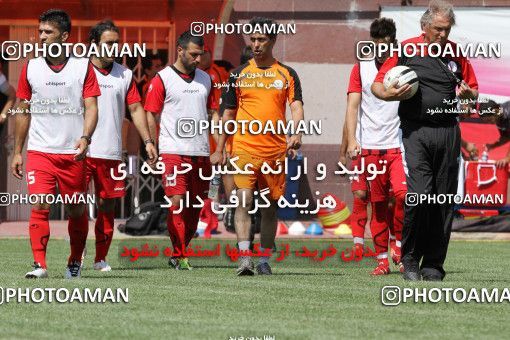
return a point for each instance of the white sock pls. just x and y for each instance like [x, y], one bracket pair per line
[382, 256]
[263, 259]
[359, 240]
[244, 245]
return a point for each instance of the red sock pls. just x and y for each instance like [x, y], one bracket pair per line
[359, 217]
[104, 233]
[78, 228]
[192, 216]
[176, 228]
[39, 231]
[390, 215]
[379, 227]
[209, 217]
[398, 220]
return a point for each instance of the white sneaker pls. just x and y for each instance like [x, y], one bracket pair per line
[37, 273]
[73, 270]
[102, 266]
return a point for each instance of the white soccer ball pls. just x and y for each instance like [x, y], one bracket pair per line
[404, 75]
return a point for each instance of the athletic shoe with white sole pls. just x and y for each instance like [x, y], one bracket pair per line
[183, 264]
[73, 270]
[383, 267]
[174, 262]
[102, 266]
[264, 269]
[37, 273]
[245, 266]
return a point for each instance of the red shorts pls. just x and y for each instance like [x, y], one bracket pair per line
[358, 182]
[99, 170]
[46, 170]
[393, 178]
[190, 181]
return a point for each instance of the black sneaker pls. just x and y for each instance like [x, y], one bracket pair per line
[73, 270]
[173, 262]
[264, 269]
[411, 271]
[409, 275]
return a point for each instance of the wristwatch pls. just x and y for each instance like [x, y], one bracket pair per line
[87, 138]
[149, 140]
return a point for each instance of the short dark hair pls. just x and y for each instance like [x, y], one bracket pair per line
[186, 37]
[382, 28]
[262, 22]
[101, 27]
[147, 61]
[57, 17]
[483, 108]
[246, 55]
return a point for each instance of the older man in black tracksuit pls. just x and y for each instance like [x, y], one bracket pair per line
[431, 141]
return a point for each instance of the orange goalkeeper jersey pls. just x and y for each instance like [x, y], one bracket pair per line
[261, 94]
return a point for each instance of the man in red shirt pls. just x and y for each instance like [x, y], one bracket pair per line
[105, 152]
[58, 137]
[182, 91]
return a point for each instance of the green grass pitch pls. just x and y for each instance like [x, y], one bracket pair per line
[302, 300]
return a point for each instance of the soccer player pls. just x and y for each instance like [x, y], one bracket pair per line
[249, 103]
[118, 89]
[151, 66]
[375, 140]
[181, 91]
[57, 140]
[218, 76]
[431, 142]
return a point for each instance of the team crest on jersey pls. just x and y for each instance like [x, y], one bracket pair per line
[278, 84]
[150, 88]
[170, 181]
[452, 65]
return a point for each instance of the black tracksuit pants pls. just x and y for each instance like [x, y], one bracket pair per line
[432, 155]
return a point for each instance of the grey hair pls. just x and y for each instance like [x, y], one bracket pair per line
[437, 7]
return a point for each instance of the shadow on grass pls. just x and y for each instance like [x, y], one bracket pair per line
[308, 274]
[110, 277]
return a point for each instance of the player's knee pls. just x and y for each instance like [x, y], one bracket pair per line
[176, 201]
[361, 194]
[400, 195]
[75, 210]
[106, 204]
[41, 206]
[245, 197]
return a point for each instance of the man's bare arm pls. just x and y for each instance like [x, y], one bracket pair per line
[11, 99]
[215, 119]
[351, 120]
[90, 121]
[151, 121]
[89, 126]
[392, 93]
[140, 119]
[298, 115]
[20, 135]
[228, 114]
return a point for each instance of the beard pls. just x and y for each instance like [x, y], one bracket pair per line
[189, 66]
